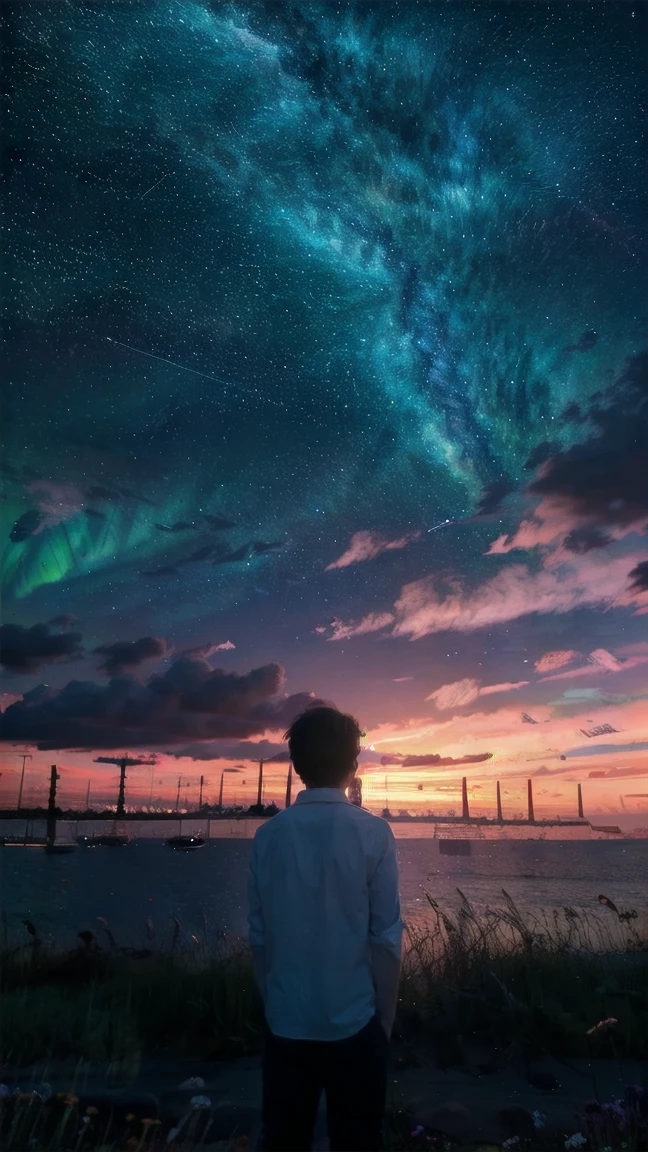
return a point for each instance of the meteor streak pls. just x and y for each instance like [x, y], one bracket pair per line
[193, 371]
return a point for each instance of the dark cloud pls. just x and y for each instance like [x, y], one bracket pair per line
[224, 556]
[587, 340]
[492, 496]
[66, 620]
[218, 522]
[259, 750]
[573, 415]
[260, 546]
[126, 654]
[605, 479]
[165, 570]
[433, 760]
[178, 526]
[586, 538]
[190, 701]
[200, 554]
[25, 526]
[26, 650]
[639, 577]
[99, 492]
[540, 453]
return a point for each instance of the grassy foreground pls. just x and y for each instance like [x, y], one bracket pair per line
[477, 990]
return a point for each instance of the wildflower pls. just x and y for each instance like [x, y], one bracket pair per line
[130, 1116]
[539, 1119]
[193, 1082]
[173, 1133]
[200, 1102]
[91, 1110]
[149, 1122]
[512, 1142]
[4, 1091]
[69, 1100]
[602, 1025]
[418, 1131]
[575, 1141]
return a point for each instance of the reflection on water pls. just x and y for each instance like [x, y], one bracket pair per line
[146, 879]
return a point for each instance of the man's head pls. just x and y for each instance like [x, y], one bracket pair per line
[324, 746]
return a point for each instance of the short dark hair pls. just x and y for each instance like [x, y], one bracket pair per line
[323, 745]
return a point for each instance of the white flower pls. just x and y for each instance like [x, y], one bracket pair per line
[173, 1132]
[193, 1082]
[538, 1119]
[512, 1142]
[576, 1141]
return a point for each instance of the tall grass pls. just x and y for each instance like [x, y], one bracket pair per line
[524, 983]
[507, 981]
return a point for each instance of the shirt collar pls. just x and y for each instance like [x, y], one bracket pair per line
[311, 795]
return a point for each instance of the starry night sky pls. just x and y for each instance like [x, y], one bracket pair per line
[325, 373]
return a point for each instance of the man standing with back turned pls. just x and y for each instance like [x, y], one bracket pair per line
[325, 932]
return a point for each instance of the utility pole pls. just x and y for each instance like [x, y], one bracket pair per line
[25, 756]
[499, 802]
[220, 792]
[178, 793]
[580, 803]
[260, 790]
[288, 785]
[88, 797]
[200, 802]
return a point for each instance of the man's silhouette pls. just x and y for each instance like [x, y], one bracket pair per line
[325, 932]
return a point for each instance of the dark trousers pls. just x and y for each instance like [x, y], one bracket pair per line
[353, 1075]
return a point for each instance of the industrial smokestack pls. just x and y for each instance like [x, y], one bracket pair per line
[288, 786]
[499, 802]
[259, 793]
[581, 814]
[465, 810]
[530, 795]
[50, 833]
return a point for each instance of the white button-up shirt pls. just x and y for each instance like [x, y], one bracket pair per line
[323, 888]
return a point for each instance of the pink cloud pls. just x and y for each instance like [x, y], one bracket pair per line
[490, 689]
[56, 502]
[455, 695]
[551, 661]
[8, 698]
[371, 623]
[551, 522]
[462, 692]
[368, 545]
[598, 665]
[601, 658]
[593, 580]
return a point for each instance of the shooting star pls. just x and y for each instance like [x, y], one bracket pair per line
[441, 525]
[193, 371]
[154, 186]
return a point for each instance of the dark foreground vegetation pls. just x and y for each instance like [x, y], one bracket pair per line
[478, 991]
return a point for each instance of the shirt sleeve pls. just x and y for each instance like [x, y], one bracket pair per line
[385, 924]
[256, 931]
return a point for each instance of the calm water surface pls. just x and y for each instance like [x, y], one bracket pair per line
[146, 879]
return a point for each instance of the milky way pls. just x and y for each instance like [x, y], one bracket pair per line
[280, 274]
